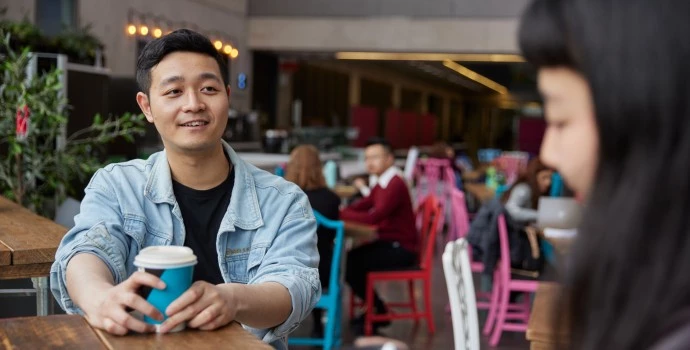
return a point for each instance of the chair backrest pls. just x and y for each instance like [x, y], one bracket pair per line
[339, 227]
[433, 171]
[460, 219]
[463, 303]
[411, 163]
[504, 261]
[431, 212]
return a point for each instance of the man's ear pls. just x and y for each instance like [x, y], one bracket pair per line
[227, 89]
[145, 105]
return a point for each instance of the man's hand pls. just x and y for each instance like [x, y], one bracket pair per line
[107, 310]
[204, 305]
[359, 183]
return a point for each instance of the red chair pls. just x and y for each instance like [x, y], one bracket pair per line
[431, 214]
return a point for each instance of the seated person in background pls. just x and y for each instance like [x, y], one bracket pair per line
[389, 207]
[254, 234]
[522, 198]
[442, 150]
[304, 169]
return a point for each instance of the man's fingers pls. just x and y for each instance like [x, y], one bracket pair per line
[113, 327]
[187, 298]
[126, 320]
[140, 278]
[136, 302]
[215, 323]
[204, 317]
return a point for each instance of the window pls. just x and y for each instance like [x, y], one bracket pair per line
[54, 16]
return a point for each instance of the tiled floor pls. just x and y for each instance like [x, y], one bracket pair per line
[417, 336]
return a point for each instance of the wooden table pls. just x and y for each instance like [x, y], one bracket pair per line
[540, 331]
[73, 332]
[345, 191]
[359, 231]
[27, 249]
[480, 191]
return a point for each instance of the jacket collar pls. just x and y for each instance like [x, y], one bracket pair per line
[243, 211]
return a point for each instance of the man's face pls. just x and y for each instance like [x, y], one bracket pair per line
[187, 102]
[377, 159]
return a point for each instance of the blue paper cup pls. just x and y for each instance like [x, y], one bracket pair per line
[174, 265]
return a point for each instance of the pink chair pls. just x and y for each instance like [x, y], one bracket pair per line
[501, 310]
[433, 171]
[459, 227]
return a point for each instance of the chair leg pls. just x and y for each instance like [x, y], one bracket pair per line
[427, 301]
[493, 305]
[368, 313]
[352, 304]
[413, 299]
[329, 333]
[501, 317]
[527, 305]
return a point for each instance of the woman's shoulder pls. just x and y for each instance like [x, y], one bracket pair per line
[323, 193]
[677, 335]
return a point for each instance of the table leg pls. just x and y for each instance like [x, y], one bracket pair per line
[42, 295]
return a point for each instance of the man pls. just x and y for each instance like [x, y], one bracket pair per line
[254, 234]
[389, 207]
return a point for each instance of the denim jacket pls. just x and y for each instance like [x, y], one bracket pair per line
[268, 233]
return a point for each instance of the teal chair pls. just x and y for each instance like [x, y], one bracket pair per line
[331, 298]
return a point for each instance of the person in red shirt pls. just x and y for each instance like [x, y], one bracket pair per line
[389, 208]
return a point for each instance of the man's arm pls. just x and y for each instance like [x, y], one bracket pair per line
[387, 200]
[91, 287]
[208, 307]
[279, 296]
[90, 261]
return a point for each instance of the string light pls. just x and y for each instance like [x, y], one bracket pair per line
[138, 25]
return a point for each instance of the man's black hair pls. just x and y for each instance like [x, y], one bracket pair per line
[182, 40]
[380, 141]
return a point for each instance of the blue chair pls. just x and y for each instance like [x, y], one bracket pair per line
[557, 189]
[331, 299]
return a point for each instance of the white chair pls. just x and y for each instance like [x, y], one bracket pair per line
[463, 304]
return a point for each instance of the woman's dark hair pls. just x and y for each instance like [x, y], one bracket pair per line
[182, 40]
[627, 277]
[529, 176]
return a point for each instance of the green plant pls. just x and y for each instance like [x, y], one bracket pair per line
[34, 167]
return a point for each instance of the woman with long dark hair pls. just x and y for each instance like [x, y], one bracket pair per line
[614, 76]
[522, 198]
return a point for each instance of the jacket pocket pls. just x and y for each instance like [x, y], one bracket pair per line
[136, 227]
[243, 263]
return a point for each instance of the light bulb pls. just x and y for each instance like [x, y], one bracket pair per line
[143, 30]
[131, 29]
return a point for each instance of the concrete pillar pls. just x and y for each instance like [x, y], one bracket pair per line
[355, 89]
[396, 96]
[284, 96]
[445, 119]
[425, 102]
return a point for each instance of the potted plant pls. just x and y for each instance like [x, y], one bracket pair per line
[38, 165]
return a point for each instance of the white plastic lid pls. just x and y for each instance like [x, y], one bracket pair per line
[165, 257]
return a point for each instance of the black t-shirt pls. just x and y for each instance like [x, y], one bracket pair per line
[202, 212]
